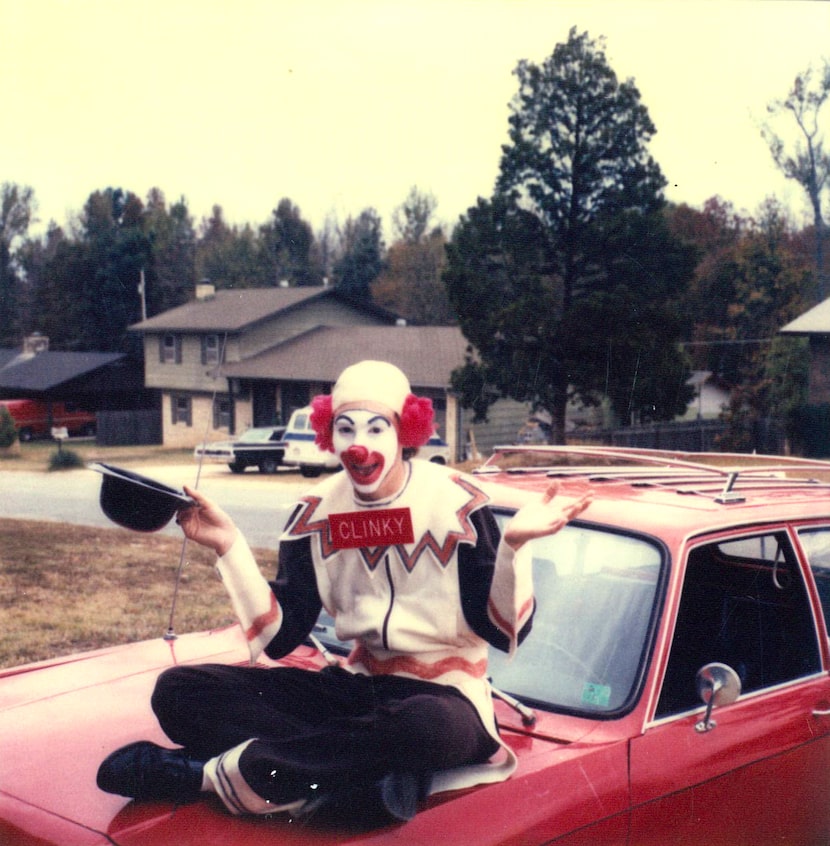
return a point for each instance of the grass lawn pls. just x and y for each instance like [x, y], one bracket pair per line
[36, 455]
[66, 588]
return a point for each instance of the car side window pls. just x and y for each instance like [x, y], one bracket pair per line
[744, 603]
[816, 544]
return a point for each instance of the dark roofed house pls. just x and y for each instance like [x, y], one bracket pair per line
[97, 381]
[232, 359]
[815, 325]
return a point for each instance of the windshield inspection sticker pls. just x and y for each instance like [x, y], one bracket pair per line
[385, 527]
[596, 694]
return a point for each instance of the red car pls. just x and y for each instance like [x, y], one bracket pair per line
[674, 688]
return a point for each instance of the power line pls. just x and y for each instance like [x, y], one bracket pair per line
[726, 343]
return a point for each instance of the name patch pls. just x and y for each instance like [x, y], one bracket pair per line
[385, 527]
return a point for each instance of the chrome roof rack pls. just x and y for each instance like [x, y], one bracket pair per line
[724, 477]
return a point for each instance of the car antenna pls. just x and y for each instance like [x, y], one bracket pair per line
[170, 634]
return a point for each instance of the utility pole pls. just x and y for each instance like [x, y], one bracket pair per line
[142, 295]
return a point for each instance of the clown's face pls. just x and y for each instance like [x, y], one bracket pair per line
[366, 442]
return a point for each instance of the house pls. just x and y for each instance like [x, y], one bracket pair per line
[97, 381]
[815, 325]
[231, 359]
[711, 397]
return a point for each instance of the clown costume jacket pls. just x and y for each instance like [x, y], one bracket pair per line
[424, 608]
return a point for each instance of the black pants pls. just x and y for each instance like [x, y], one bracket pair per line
[326, 729]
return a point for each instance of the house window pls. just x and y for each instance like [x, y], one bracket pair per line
[181, 408]
[223, 414]
[170, 348]
[211, 352]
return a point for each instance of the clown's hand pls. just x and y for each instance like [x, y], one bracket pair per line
[206, 523]
[539, 519]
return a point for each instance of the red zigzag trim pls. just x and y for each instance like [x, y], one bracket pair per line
[413, 667]
[443, 552]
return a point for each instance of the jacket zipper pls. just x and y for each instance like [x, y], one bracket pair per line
[385, 632]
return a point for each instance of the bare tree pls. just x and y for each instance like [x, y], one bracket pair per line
[807, 163]
[412, 218]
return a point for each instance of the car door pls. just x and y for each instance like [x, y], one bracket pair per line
[759, 772]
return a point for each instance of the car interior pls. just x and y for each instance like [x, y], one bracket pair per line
[744, 603]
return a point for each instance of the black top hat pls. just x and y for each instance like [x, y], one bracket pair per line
[138, 502]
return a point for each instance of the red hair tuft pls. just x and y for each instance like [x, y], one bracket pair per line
[321, 421]
[417, 421]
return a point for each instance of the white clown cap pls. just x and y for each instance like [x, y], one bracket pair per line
[371, 381]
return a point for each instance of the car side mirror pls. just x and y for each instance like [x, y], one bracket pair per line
[717, 684]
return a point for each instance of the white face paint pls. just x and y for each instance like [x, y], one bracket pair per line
[366, 443]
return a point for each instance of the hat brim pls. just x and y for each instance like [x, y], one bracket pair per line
[138, 502]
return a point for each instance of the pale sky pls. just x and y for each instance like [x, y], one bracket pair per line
[343, 104]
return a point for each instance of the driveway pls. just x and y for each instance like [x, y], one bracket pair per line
[259, 504]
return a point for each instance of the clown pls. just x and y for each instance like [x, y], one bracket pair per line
[407, 558]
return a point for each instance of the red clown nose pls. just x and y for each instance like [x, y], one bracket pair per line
[356, 454]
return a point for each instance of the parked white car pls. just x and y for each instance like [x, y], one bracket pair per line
[300, 449]
[436, 449]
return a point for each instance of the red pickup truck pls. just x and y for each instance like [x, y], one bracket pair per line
[36, 418]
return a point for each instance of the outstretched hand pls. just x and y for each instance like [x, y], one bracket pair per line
[206, 523]
[539, 519]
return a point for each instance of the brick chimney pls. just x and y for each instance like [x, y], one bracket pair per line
[35, 343]
[205, 290]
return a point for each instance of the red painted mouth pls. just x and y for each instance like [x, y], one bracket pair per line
[363, 466]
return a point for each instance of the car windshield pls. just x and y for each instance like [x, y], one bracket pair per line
[595, 601]
[596, 592]
[258, 436]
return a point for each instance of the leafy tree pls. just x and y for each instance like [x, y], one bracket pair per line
[36, 257]
[362, 258]
[63, 293]
[287, 247]
[714, 232]
[770, 280]
[17, 210]
[499, 282]
[171, 275]
[808, 163]
[8, 431]
[411, 282]
[114, 248]
[327, 246]
[568, 281]
[228, 256]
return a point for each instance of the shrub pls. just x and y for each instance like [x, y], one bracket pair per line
[8, 431]
[65, 459]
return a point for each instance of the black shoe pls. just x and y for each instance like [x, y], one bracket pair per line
[392, 799]
[144, 770]
[399, 794]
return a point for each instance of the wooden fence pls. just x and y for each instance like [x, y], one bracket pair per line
[693, 436]
[129, 428]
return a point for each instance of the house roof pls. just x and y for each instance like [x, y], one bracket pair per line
[232, 310]
[816, 321]
[427, 354]
[47, 370]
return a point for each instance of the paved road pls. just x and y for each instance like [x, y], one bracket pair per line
[259, 504]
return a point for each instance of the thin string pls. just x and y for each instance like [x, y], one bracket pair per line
[170, 634]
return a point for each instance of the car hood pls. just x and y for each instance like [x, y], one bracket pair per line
[61, 718]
